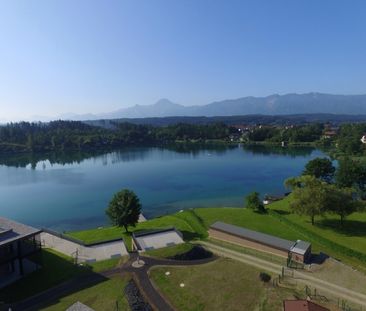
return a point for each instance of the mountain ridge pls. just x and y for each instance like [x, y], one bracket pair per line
[275, 104]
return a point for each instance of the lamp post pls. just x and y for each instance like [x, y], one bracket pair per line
[138, 256]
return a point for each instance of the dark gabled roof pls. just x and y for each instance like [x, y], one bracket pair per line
[11, 230]
[255, 236]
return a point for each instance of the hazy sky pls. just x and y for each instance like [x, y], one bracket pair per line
[98, 56]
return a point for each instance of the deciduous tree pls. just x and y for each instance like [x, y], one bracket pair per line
[321, 168]
[253, 201]
[309, 196]
[124, 209]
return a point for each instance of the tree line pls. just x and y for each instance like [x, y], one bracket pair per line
[75, 135]
[292, 134]
[348, 139]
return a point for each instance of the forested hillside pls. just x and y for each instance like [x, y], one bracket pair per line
[74, 135]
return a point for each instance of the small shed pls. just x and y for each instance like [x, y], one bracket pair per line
[298, 251]
[154, 239]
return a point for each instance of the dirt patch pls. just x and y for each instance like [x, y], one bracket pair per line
[338, 273]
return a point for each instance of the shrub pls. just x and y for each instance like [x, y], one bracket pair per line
[264, 277]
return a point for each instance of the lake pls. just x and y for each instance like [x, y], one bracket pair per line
[71, 191]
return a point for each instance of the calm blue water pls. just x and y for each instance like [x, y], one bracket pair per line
[75, 194]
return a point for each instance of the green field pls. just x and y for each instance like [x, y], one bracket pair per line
[171, 251]
[220, 285]
[347, 244]
[56, 269]
[352, 235]
[102, 296]
[186, 222]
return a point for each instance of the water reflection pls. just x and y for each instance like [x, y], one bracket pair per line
[292, 151]
[106, 157]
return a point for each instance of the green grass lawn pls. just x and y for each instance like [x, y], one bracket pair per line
[186, 222]
[327, 234]
[220, 285]
[246, 218]
[103, 265]
[56, 269]
[194, 224]
[171, 251]
[100, 297]
[352, 235]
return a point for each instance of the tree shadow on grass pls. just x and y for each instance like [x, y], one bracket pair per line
[189, 235]
[57, 272]
[349, 228]
[281, 212]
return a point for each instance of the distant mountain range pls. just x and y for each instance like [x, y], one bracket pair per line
[289, 104]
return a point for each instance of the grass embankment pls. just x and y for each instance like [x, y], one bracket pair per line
[56, 269]
[220, 285]
[194, 224]
[187, 222]
[103, 296]
[171, 251]
[346, 243]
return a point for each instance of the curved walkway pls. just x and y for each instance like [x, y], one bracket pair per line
[141, 277]
[151, 294]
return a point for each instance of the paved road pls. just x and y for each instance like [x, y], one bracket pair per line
[141, 277]
[151, 294]
[85, 253]
[302, 277]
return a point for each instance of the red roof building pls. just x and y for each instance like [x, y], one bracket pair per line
[302, 305]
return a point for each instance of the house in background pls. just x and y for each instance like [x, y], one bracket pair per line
[154, 239]
[363, 139]
[18, 243]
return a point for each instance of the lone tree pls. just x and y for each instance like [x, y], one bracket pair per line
[253, 201]
[341, 202]
[321, 168]
[309, 196]
[124, 209]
